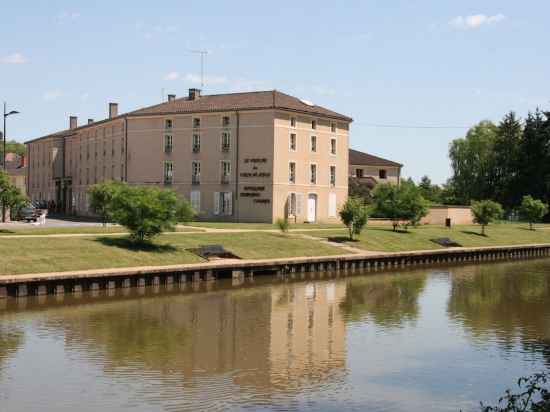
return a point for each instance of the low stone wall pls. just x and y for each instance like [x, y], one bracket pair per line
[110, 279]
[459, 215]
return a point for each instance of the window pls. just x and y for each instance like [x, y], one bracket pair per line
[333, 127]
[292, 142]
[314, 124]
[333, 175]
[225, 171]
[333, 146]
[223, 203]
[168, 124]
[313, 143]
[196, 122]
[225, 121]
[292, 172]
[168, 143]
[196, 200]
[168, 172]
[382, 174]
[226, 141]
[293, 122]
[196, 143]
[292, 204]
[313, 174]
[196, 172]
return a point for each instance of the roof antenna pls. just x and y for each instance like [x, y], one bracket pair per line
[203, 54]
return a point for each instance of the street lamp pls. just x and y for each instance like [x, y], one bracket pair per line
[5, 116]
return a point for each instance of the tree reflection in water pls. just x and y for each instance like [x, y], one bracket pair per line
[11, 339]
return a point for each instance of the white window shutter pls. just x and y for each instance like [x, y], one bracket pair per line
[332, 204]
[196, 200]
[216, 203]
[229, 197]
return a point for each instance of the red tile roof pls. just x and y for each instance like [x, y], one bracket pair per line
[364, 159]
[272, 99]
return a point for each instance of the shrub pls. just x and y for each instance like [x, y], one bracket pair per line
[101, 198]
[146, 212]
[532, 210]
[354, 214]
[485, 212]
[283, 225]
[534, 396]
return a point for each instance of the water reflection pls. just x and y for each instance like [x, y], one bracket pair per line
[412, 341]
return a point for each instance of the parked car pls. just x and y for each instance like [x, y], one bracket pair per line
[29, 214]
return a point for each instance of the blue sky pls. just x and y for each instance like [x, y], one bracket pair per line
[409, 63]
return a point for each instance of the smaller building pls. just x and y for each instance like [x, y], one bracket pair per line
[16, 167]
[370, 170]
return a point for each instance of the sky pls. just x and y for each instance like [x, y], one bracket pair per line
[432, 68]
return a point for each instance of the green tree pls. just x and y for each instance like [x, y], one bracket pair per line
[359, 189]
[532, 210]
[354, 214]
[485, 212]
[400, 203]
[10, 196]
[472, 161]
[13, 147]
[429, 191]
[146, 212]
[101, 198]
[507, 161]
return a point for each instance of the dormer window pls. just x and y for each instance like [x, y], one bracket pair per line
[225, 121]
[196, 122]
[168, 124]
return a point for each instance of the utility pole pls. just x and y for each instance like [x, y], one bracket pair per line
[4, 147]
[203, 54]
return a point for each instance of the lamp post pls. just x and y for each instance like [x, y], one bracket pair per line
[4, 148]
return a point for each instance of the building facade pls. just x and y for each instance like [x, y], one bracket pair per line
[250, 157]
[368, 169]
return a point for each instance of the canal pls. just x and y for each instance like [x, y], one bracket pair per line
[424, 340]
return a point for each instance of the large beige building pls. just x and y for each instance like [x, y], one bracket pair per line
[253, 156]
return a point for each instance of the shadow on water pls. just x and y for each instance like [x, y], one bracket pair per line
[127, 244]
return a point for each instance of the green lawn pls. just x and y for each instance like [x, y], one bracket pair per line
[33, 255]
[263, 226]
[382, 238]
[92, 230]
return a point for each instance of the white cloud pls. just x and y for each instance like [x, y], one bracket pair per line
[210, 80]
[52, 95]
[475, 21]
[15, 58]
[172, 76]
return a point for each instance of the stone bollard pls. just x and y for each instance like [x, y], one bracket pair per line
[169, 280]
[196, 277]
[77, 288]
[59, 289]
[237, 274]
[156, 281]
[183, 278]
[141, 283]
[41, 290]
[111, 284]
[94, 286]
[127, 283]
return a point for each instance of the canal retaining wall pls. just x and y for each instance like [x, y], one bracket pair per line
[109, 279]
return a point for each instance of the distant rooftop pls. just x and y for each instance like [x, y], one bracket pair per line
[365, 159]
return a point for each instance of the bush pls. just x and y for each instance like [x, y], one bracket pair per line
[283, 225]
[400, 203]
[101, 198]
[534, 396]
[354, 214]
[532, 210]
[485, 212]
[146, 212]
[10, 196]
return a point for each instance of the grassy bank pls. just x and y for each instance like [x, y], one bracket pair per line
[86, 230]
[382, 238]
[263, 226]
[34, 255]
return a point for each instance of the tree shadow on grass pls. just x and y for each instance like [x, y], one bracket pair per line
[390, 230]
[127, 244]
[6, 231]
[469, 232]
[341, 239]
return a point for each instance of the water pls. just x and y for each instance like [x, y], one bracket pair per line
[428, 340]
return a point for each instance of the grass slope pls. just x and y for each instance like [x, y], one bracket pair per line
[34, 255]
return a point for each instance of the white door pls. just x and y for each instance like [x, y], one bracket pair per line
[311, 208]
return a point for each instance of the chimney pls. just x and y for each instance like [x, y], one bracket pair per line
[194, 94]
[90, 121]
[171, 97]
[73, 120]
[113, 110]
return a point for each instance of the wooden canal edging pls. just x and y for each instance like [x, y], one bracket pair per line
[108, 279]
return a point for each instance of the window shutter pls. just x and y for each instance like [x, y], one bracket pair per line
[332, 204]
[196, 200]
[216, 203]
[229, 202]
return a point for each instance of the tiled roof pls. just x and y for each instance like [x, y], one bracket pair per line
[364, 159]
[271, 99]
